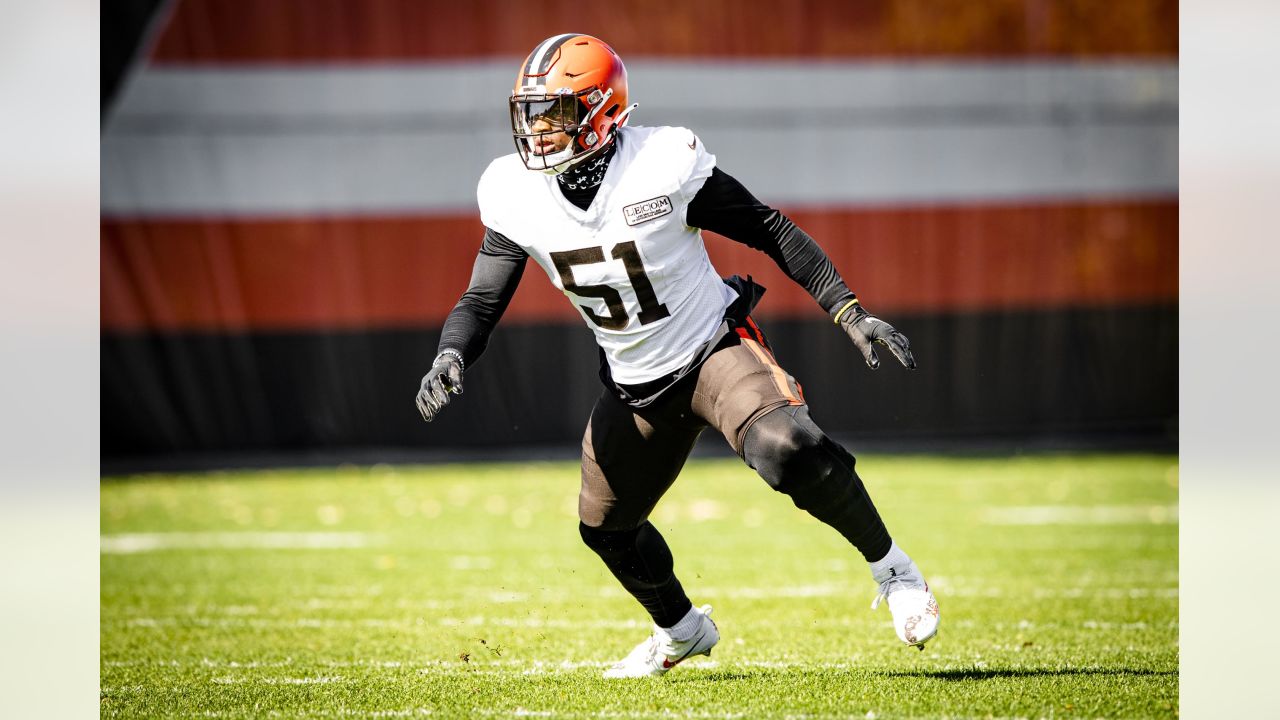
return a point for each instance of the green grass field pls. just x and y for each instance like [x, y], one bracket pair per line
[464, 591]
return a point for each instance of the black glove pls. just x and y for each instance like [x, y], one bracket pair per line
[866, 329]
[445, 378]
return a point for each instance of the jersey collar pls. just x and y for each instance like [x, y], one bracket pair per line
[595, 211]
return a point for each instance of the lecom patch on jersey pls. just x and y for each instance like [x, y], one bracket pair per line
[647, 210]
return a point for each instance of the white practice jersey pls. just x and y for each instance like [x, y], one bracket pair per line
[639, 276]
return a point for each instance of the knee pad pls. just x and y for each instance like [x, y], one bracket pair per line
[795, 457]
[791, 453]
[607, 543]
[639, 557]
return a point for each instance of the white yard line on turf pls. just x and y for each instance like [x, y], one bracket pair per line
[325, 680]
[781, 591]
[1082, 515]
[130, 543]
[1091, 593]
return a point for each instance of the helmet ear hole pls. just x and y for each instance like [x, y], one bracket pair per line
[612, 111]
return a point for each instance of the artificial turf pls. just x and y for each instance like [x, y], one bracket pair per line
[464, 591]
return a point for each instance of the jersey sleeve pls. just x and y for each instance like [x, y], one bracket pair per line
[693, 161]
[489, 196]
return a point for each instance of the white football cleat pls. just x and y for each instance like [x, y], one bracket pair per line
[660, 652]
[915, 611]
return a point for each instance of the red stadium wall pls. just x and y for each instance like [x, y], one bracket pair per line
[236, 31]
[354, 273]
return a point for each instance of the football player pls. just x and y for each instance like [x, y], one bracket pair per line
[613, 214]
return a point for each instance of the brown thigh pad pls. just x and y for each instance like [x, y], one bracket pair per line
[737, 385]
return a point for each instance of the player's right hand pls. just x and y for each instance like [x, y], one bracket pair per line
[444, 379]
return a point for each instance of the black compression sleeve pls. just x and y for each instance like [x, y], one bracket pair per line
[494, 279]
[724, 206]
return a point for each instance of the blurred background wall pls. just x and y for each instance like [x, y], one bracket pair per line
[288, 213]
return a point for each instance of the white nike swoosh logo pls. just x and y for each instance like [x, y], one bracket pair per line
[693, 645]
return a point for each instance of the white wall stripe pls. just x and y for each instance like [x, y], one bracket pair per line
[415, 138]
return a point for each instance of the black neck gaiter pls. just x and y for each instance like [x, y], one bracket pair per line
[580, 183]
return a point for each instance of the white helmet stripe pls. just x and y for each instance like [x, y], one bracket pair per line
[540, 58]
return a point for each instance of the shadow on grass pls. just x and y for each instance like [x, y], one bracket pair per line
[957, 674]
[944, 674]
[715, 676]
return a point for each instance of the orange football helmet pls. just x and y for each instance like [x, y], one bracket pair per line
[573, 84]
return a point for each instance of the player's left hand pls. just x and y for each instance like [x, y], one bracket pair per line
[866, 329]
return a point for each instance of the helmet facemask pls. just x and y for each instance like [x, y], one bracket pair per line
[554, 132]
